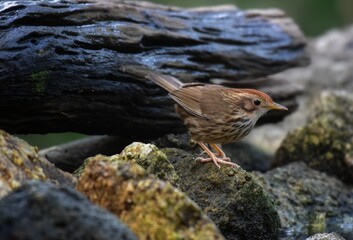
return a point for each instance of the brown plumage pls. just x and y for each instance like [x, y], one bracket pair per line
[215, 114]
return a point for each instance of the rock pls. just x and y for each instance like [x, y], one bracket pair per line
[331, 62]
[152, 160]
[181, 141]
[309, 200]
[248, 156]
[242, 153]
[232, 198]
[152, 208]
[42, 211]
[326, 236]
[148, 156]
[325, 143]
[20, 162]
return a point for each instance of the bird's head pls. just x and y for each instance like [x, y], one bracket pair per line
[254, 103]
[257, 103]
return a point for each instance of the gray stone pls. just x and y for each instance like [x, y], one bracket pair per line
[231, 197]
[309, 201]
[326, 236]
[44, 212]
[331, 62]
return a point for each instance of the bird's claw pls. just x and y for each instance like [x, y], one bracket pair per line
[217, 161]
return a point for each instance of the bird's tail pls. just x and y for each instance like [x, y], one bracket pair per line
[169, 83]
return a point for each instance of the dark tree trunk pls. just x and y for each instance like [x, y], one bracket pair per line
[80, 66]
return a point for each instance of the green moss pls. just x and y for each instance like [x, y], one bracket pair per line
[317, 223]
[151, 159]
[315, 140]
[39, 79]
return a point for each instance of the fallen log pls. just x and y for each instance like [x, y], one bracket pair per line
[79, 66]
[70, 156]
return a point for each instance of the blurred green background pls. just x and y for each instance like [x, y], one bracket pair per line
[314, 17]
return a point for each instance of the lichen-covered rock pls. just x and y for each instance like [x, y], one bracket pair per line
[146, 155]
[152, 208]
[20, 162]
[309, 201]
[326, 236]
[44, 212]
[152, 160]
[231, 197]
[326, 142]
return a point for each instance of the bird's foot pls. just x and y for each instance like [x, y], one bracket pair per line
[217, 160]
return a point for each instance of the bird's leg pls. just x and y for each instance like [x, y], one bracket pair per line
[212, 157]
[219, 151]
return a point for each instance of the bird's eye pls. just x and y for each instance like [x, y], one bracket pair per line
[257, 102]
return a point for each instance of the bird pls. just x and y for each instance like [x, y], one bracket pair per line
[215, 114]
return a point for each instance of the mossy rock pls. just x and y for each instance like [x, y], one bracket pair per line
[152, 208]
[326, 142]
[20, 162]
[152, 160]
[308, 201]
[146, 155]
[231, 197]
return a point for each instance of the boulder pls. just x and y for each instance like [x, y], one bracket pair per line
[43, 211]
[20, 162]
[325, 143]
[152, 208]
[231, 197]
[309, 201]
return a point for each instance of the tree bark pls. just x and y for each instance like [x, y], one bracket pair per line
[80, 66]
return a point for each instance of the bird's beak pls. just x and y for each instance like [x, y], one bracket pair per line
[276, 106]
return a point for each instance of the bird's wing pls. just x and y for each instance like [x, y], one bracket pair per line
[169, 83]
[216, 103]
[189, 98]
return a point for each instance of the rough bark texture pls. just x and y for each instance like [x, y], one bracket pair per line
[80, 66]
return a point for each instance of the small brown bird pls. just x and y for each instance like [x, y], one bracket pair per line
[215, 114]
